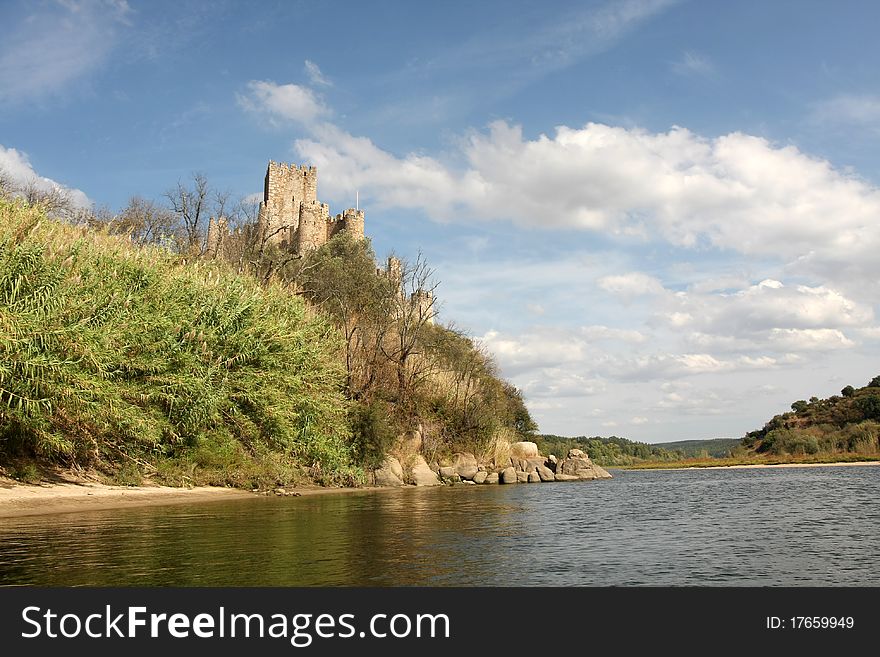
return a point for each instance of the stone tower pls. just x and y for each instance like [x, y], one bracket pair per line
[291, 215]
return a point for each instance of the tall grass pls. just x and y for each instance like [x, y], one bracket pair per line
[109, 352]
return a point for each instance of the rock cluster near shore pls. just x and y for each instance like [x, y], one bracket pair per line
[524, 465]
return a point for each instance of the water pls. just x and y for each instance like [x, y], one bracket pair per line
[764, 527]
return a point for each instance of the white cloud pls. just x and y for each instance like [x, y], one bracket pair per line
[290, 102]
[693, 63]
[734, 193]
[315, 75]
[57, 45]
[859, 110]
[630, 285]
[638, 420]
[15, 165]
[770, 305]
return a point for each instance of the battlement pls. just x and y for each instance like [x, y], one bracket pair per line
[290, 214]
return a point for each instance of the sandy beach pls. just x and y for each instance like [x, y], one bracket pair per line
[836, 464]
[28, 500]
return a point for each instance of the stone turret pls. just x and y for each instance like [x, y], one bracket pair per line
[217, 232]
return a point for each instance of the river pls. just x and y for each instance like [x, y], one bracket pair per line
[753, 527]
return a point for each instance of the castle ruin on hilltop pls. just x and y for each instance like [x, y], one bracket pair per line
[291, 217]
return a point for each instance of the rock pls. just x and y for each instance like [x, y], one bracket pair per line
[481, 476]
[546, 474]
[522, 477]
[421, 474]
[601, 473]
[533, 478]
[435, 467]
[534, 463]
[481, 468]
[565, 477]
[447, 472]
[508, 476]
[552, 458]
[390, 473]
[491, 478]
[524, 449]
[280, 492]
[577, 454]
[465, 465]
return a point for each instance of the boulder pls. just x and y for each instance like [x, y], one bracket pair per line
[533, 478]
[447, 472]
[465, 465]
[524, 450]
[421, 474]
[546, 474]
[390, 473]
[491, 478]
[601, 473]
[522, 477]
[565, 477]
[577, 454]
[533, 463]
[508, 476]
[480, 477]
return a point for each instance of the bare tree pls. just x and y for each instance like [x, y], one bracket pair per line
[7, 184]
[413, 310]
[54, 200]
[144, 221]
[190, 204]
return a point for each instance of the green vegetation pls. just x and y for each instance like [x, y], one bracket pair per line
[114, 354]
[711, 448]
[606, 452]
[127, 351]
[840, 425]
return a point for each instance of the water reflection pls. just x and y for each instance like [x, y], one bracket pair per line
[761, 527]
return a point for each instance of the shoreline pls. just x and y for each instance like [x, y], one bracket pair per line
[19, 500]
[743, 466]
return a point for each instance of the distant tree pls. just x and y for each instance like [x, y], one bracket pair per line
[799, 406]
[190, 204]
[814, 400]
[144, 221]
[848, 391]
[875, 382]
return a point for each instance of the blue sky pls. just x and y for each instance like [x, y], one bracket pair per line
[660, 216]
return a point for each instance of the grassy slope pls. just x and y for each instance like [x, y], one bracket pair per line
[714, 447]
[117, 357]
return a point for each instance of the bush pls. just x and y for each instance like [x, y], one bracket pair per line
[110, 349]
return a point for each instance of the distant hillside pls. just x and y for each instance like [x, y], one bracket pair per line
[606, 451]
[714, 447]
[848, 423]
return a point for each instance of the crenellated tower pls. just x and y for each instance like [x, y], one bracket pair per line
[292, 217]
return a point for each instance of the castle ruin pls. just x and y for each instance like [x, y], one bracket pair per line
[291, 216]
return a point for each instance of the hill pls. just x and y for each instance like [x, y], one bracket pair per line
[611, 451]
[712, 448]
[843, 424]
[142, 358]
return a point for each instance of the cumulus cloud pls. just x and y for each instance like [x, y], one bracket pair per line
[15, 165]
[735, 193]
[769, 305]
[57, 44]
[290, 102]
